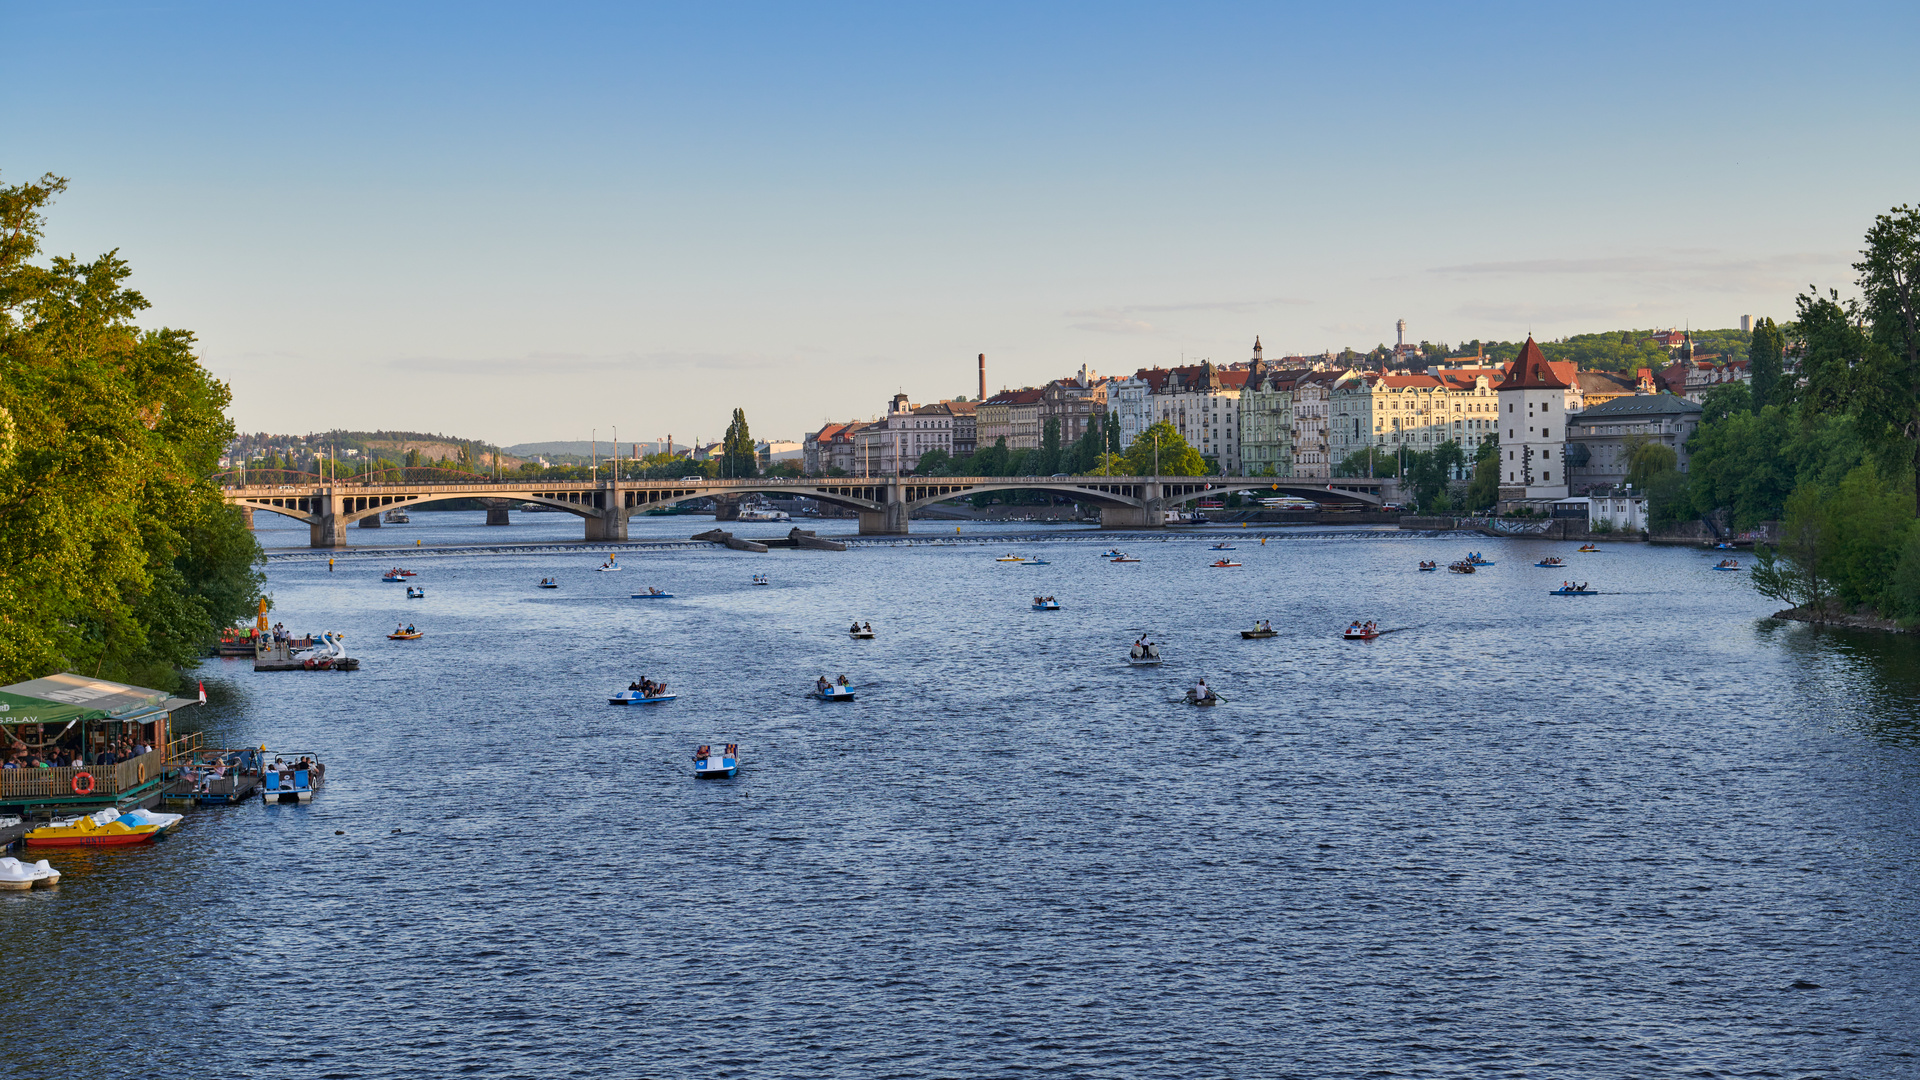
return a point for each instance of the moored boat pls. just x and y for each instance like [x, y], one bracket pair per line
[104, 828]
[708, 765]
[15, 874]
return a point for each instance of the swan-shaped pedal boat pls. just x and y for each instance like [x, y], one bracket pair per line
[708, 765]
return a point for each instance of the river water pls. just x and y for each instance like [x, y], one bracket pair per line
[1646, 833]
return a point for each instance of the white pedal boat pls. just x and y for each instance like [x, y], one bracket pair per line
[708, 765]
[15, 874]
[1143, 657]
[833, 693]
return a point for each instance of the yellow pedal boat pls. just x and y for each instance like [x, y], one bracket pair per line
[405, 635]
[101, 829]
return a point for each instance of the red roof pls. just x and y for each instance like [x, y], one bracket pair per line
[1531, 370]
[1017, 397]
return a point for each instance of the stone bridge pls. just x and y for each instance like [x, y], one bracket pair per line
[883, 503]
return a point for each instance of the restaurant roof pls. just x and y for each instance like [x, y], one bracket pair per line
[65, 697]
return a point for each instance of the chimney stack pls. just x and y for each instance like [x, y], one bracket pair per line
[983, 378]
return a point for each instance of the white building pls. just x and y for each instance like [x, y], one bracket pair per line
[1620, 513]
[1535, 399]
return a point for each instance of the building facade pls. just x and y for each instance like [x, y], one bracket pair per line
[1266, 422]
[965, 427]
[1202, 402]
[1073, 403]
[1600, 440]
[1310, 432]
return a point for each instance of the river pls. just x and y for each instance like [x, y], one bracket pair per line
[1650, 832]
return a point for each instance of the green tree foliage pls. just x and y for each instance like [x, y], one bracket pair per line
[1889, 280]
[1766, 359]
[1648, 460]
[1047, 462]
[738, 459]
[1845, 546]
[1371, 461]
[1163, 443]
[1428, 474]
[935, 462]
[1725, 400]
[117, 555]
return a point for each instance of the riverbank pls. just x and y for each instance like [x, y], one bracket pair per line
[1836, 615]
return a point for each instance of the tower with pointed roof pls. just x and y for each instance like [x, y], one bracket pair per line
[1535, 396]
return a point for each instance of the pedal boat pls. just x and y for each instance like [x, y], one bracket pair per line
[1261, 632]
[1219, 563]
[1047, 605]
[1429, 569]
[406, 635]
[1574, 592]
[1221, 546]
[15, 874]
[832, 693]
[1010, 558]
[761, 579]
[1125, 558]
[1148, 657]
[708, 765]
[653, 596]
[103, 828]
[1111, 553]
[391, 578]
[1550, 563]
[1360, 635]
[635, 697]
[416, 594]
[609, 567]
[860, 635]
[289, 784]
[1587, 548]
[549, 583]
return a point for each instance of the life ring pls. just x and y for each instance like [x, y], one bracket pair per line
[77, 789]
[143, 772]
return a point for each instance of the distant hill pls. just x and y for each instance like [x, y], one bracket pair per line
[580, 449]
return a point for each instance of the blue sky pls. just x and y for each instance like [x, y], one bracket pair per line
[525, 222]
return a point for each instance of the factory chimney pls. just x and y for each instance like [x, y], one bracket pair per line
[983, 378]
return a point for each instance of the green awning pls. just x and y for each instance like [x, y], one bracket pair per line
[20, 709]
[58, 699]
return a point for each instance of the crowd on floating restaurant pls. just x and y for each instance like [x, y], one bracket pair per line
[18, 755]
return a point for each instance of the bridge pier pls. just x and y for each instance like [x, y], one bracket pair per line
[891, 520]
[607, 525]
[497, 512]
[329, 531]
[371, 521]
[1133, 517]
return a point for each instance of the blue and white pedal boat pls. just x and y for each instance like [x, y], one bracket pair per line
[635, 697]
[708, 765]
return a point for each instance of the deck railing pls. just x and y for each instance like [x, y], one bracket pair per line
[112, 779]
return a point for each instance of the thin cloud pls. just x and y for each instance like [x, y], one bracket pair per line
[1689, 271]
[1125, 318]
[582, 363]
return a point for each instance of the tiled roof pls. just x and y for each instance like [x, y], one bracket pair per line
[1636, 405]
[1531, 370]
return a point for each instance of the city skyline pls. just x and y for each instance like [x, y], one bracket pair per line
[525, 226]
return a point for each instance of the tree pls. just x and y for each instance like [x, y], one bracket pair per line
[1889, 280]
[738, 458]
[1647, 460]
[1370, 461]
[1162, 442]
[118, 557]
[1048, 461]
[1724, 400]
[1766, 360]
[933, 462]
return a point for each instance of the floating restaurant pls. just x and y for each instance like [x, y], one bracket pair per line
[74, 745]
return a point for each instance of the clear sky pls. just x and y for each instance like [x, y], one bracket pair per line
[523, 222]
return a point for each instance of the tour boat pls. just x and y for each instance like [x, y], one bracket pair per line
[1261, 631]
[708, 765]
[751, 516]
[1010, 558]
[607, 566]
[286, 781]
[1361, 633]
[1146, 655]
[1207, 702]
[416, 594]
[15, 874]
[832, 693]
[103, 828]
[636, 697]
[1221, 546]
[1110, 553]
[409, 634]
[652, 594]
[1564, 591]
[1046, 604]
[549, 583]
[1462, 567]
[1124, 558]
[1587, 548]
[1217, 563]
[1728, 564]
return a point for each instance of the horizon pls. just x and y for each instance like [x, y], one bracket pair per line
[534, 224]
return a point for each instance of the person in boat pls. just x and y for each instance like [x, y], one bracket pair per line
[635, 686]
[842, 681]
[822, 685]
[866, 628]
[855, 628]
[1201, 691]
